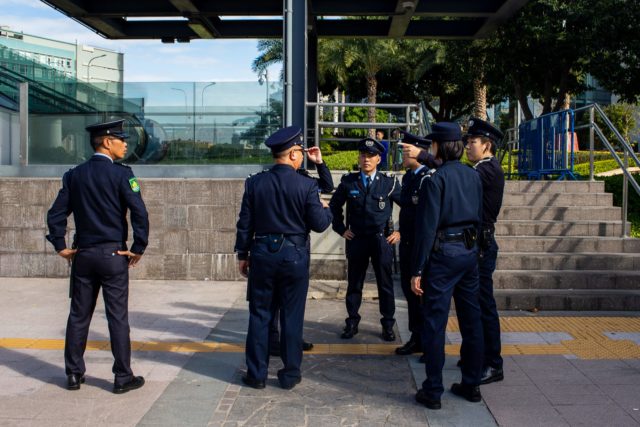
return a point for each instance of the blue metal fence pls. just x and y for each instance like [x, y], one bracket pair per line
[546, 146]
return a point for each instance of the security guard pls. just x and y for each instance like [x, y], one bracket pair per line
[481, 143]
[279, 208]
[445, 264]
[325, 186]
[409, 198]
[99, 193]
[369, 196]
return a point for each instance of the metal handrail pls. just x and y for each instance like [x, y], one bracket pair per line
[623, 163]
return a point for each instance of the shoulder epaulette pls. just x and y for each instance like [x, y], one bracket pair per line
[123, 165]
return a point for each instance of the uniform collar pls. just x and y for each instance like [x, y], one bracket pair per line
[99, 155]
[417, 170]
[363, 176]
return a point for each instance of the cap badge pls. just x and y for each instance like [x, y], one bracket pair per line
[369, 143]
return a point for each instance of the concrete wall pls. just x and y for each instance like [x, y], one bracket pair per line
[192, 231]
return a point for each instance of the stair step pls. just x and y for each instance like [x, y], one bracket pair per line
[577, 300]
[567, 244]
[560, 213]
[566, 280]
[554, 186]
[557, 199]
[558, 228]
[567, 261]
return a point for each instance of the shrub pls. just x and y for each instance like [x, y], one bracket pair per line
[343, 160]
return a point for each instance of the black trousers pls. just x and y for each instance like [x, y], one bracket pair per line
[413, 301]
[95, 268]
[360, 250]
[283, 275]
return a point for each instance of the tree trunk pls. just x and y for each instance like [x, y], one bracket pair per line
[522, 99]
[372, 91]
[479, 98]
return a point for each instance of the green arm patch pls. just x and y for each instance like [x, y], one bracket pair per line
[133, 182]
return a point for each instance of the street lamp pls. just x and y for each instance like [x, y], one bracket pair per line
[202, 105]
[263, 77]
[186, 108]
[202, 95]
[89, 65]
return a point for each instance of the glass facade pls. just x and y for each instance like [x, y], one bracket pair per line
[169, 123]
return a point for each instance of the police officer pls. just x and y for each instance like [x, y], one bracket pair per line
[445, 264]
[325, 186]
[481, 143]
[279, 207]
[369, 196]
[409, 198]
[99, 193]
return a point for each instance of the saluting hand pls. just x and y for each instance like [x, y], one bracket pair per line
[243, 267]
[410, 151]
[415, 286]
[67, 253]
[348, 235]
[393, 238]
[315, 155]
[133, 258]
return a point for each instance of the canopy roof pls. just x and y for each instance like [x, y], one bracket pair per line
[185, 20]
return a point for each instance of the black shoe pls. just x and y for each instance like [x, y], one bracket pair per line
[289, 386]
[134, 383]
[409, 347]
[306, 346]
[469, 392]
[421, 397]
[349, 331]
[252, 382]
[388, 334]
[423, 359]
[74, 381]
[492, 375]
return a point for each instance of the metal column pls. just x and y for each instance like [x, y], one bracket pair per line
[295, 61]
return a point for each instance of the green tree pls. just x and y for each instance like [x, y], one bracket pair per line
[339, 60]
[622, 116]
[543, 51]
[271, 53]
[615, 60]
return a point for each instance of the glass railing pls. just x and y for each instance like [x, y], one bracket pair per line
[171, 123]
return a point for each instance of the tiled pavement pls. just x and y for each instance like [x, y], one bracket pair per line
[565, 369]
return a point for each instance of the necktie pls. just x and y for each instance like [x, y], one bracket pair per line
[368, 182]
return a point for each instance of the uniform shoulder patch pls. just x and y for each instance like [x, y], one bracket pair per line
[133, 183]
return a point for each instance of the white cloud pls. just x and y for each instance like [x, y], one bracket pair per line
[145, 60]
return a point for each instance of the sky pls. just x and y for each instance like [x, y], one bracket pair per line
[144, 60]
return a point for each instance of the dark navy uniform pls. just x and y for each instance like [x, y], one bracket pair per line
[325, 186]
[279, 208]
[369, 212]
[492, 178]
[409, 197]
[99, 193]
[445, 256]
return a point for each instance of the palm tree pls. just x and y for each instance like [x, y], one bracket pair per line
[271, 53]
[338, 58]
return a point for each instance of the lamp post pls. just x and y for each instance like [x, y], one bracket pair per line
[263, 77]
[202, 103]
[185, 104]
[89, 66]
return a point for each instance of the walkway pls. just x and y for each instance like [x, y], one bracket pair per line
[560, 368]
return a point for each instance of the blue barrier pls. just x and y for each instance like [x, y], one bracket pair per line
[546, 146]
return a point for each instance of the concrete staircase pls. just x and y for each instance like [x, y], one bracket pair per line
[560, 249]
